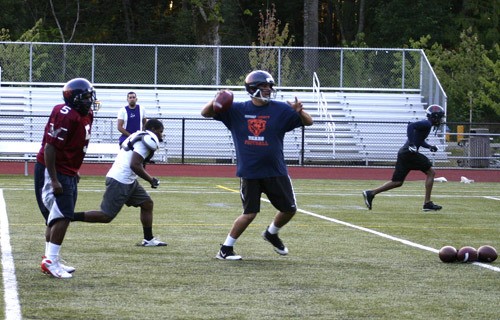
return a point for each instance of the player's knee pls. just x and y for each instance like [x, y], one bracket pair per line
[249, 216]
[147, 205]
[106, 219]
[397, 184]
[431, 173]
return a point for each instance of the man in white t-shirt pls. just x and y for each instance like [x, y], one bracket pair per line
[131, 118]
[122, 187]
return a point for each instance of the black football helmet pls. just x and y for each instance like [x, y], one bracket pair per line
[257, 78]
[435, 114]
[79, 94]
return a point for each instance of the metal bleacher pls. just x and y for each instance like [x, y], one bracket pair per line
[23, 113]
[364, 127]
[349, 126]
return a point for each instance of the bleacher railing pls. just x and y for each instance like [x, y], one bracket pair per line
[324, 113]
[430, 86]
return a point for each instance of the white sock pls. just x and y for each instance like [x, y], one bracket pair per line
[272, 229]
[53, 251]
[46, 248]
[230, 241]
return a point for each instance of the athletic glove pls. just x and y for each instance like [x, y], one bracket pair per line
[155, 183]
[433, 148]
[412, 148]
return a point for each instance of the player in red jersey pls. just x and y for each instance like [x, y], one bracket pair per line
[64, 145]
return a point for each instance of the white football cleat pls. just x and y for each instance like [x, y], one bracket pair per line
[153, 243]
[54, 268]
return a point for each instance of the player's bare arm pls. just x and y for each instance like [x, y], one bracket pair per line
[299, 108]
[120, 127]
[138, 168]
[50, 163]
[208, 109]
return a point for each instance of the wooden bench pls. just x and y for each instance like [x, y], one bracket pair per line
[27, 151]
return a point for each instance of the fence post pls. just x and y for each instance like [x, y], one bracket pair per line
[156, 66]
[403, 71]
[341, 78]
[92, 76]
[183, 138]
[217, 67]
[302, 146]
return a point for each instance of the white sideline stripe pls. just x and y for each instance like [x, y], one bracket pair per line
[380, 234]
[12, 306]
[492, 198]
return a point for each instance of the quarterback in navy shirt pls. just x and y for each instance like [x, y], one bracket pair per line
[258, 128]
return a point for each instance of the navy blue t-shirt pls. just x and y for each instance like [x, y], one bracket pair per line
[417, 132]
[258, 134]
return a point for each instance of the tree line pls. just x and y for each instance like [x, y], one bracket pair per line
[459, 37]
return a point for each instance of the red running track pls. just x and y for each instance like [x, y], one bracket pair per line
[296, 172]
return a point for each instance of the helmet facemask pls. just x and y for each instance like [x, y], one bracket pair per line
[435, 114]
[84, 101]
[436, 120]
[263, 94]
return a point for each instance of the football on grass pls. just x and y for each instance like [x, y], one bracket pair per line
[487, 254]
[467, 254]
[448, 254]
[223, 101]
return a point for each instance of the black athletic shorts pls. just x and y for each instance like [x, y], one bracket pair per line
[408, 161]
[278, 190]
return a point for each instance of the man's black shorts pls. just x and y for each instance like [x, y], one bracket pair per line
[408, 161]
[279, 191]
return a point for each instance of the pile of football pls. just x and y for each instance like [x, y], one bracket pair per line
[485, 253]
[223, 101]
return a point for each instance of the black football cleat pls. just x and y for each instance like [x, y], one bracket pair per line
[368, 196]
[278, 245]
[430, 206]
[227, 253]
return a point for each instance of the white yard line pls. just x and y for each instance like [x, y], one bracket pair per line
[11, 298]
[387, 236]
[492, 198]
[380, 234]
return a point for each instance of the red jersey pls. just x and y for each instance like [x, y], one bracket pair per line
[69, 132]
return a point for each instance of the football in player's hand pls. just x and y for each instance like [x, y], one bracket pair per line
[223, 101]
[448, 254]
[467, 254]
[487, 254]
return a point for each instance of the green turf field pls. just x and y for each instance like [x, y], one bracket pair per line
[345, 262]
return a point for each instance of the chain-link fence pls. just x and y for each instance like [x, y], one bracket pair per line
[379, 69]
[162, 67]
[206, 141]
[186, 65]
[474, 145]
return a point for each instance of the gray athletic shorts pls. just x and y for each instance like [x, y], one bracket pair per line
[118, 194]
